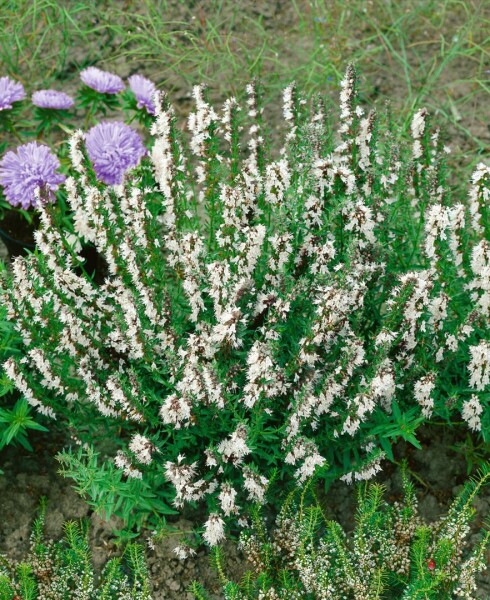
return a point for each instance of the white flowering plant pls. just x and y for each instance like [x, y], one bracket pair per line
[17, 417]
[49, 116]
[63, 569]
[263, 314]
[391, 553]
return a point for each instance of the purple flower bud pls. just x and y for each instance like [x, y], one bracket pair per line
[101, 81]
[113, 148]
[52, 99]
[10, 91]
[144, 90]
[22, 173]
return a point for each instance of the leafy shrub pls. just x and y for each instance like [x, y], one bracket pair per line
[390, 554]
[263, 314]
[48, 115]
[62, 570]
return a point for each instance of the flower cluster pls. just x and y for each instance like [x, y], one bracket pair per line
[55, 569]
[391, 553]
[113, 147]
[255, 314]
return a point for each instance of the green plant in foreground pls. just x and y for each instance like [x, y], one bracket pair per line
[15, 424]
[391, 554]
[264, 314]
[63, 570]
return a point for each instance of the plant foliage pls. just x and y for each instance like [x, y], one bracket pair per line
[63, 570]
[263, 313]
[390, 554]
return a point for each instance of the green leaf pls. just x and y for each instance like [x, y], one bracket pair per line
[387, 447]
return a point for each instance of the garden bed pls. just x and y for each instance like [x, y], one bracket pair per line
[450, 89]
[28, 476]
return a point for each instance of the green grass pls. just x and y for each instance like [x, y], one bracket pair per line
[414, 52]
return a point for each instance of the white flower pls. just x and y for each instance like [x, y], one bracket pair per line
[480, 265]
[351, 425]
[422, 391]
[471, 412]
[235, 447]
[418, 128]
[14, 373]
[364, 474]
[288, 102]
[175, 410]
[436, 223]
[183, 551]
[479, 366]
[277, 181]
[255, 484]
[479, 195]
[227, 497]
[214, 529]
[383, 385]
[122, 462]
[309, 466]
[142, 448]
[347, 93]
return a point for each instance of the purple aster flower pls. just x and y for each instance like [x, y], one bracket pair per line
[101, 81]
[52, 99]
[33, 166]
[144, 90]
[10, 91]
[113, 148]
